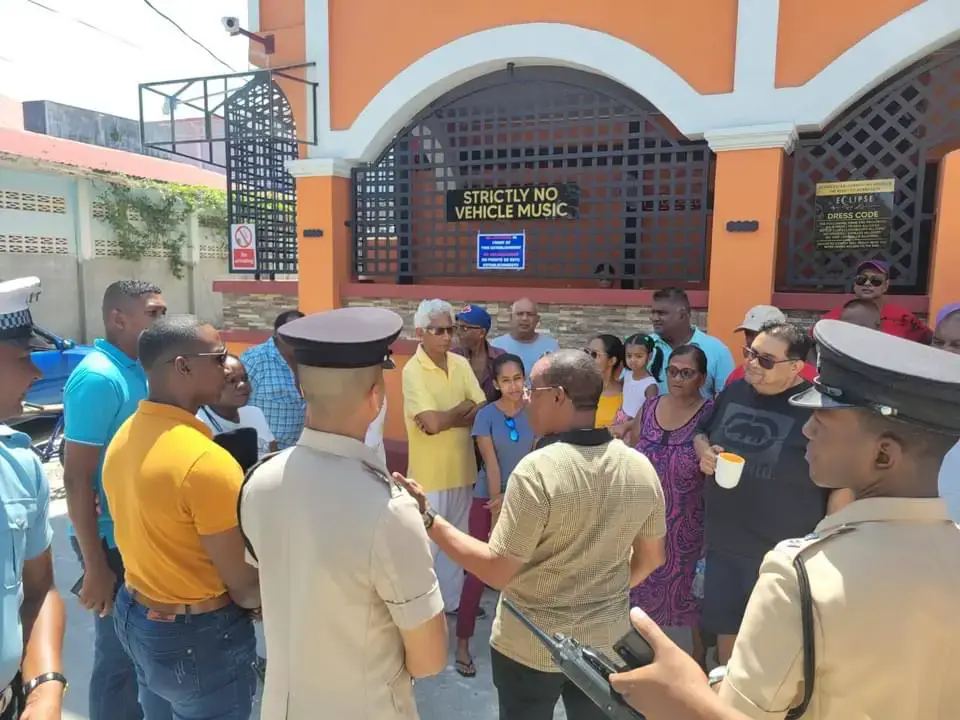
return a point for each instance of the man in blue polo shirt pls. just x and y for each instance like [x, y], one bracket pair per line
[101, 393]
[670, 316]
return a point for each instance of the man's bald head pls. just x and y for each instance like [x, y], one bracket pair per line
[524, 305]
[524, 319]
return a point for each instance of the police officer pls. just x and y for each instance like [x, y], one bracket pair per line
[351, 605]
[859, 619]
[31, 634]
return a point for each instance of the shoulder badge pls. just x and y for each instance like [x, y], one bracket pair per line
[794, 546]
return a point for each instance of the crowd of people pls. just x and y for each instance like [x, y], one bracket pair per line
[580, 482]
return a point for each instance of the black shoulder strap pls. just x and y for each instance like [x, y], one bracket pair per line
[809, 651]
[243, 485]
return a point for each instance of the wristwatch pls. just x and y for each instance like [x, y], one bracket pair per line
[717, 675]
[429, 515]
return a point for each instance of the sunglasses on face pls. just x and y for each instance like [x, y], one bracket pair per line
[764, 361]
[593, 353]
[683, 373]
[221, 356]
[467, 328]
[442, 330]
[511, 424]
[873, 280]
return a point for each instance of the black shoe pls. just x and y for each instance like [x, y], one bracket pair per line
[481, 613]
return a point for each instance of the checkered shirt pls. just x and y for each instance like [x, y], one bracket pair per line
[274, 391]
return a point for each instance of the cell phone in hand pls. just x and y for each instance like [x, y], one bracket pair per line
[77, 586]
[634, 649]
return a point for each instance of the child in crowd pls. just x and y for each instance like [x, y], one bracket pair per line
[639, 383]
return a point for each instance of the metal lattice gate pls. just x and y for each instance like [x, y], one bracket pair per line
[642, 189]
[261, 138]
[893, 133]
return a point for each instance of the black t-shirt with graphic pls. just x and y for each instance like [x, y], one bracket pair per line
[775, 499]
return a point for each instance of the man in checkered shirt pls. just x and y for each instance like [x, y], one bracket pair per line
[582, 522]
[275, 389]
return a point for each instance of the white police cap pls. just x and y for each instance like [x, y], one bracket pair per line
[16, 323]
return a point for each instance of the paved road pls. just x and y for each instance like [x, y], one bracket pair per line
[444, 697]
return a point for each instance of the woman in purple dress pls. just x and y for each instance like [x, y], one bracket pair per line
[663, 431]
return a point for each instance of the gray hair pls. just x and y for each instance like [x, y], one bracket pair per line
[577, 374]
[431, 309]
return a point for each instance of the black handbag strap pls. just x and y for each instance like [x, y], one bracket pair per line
[809, 651]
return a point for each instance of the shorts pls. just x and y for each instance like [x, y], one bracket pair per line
[727, 584]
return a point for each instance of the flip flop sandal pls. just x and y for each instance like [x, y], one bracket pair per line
[467, 670]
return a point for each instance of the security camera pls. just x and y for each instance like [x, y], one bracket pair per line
[231, 25]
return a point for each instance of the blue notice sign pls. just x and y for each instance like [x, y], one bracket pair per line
[502, 251]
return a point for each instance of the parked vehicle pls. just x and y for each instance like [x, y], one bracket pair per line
[45, 397]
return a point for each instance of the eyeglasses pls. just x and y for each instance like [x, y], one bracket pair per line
[764, 361]
[465, 328]
[683, 373]
[511, 424]
[528, 391]
[593, 353]
[874, 280]
[450, 330]
[220, 355]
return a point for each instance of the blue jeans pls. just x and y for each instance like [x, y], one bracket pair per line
[113, 681]
[202, 665]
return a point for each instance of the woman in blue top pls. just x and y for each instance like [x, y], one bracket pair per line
[503, 436]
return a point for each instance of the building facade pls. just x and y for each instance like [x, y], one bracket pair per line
[628, 145]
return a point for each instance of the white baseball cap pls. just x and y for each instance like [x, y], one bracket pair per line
[760, 315]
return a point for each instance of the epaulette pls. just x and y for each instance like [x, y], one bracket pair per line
[795, 546]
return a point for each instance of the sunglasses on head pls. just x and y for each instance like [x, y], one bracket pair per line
[442, 330]
[511, 424]
[874, 280]
[683, 373]
[764, 361]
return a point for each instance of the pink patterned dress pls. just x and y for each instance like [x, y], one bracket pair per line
[667, 595]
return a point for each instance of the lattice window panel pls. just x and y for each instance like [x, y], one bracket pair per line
[213, 252]
[889, 134]
[644, 190]
[34, 245]
[99, 212]
[261, 138]
[111, 248]
[32, 202]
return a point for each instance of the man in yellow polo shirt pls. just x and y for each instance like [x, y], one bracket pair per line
[173, 493]
[441, 396]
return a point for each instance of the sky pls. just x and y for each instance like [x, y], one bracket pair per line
[94, 53]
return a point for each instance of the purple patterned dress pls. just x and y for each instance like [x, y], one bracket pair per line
[667, 595]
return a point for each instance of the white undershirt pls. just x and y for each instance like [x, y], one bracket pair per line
[374, 437]
[250, 416]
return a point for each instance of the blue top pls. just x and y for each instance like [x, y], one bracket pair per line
[273, 389]
[100, 394]
[719, 361]
[950, 482]
[491, 422]
[25, 497]
[528, 352]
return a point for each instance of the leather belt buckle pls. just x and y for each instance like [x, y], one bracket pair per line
[6, 697]
[163, 617]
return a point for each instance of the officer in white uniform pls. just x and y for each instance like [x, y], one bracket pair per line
[351, 605]
[31, 615]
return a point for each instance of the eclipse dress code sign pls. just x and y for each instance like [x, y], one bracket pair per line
[854, 215]
[517, 202]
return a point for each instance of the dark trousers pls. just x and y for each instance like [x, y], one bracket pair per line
[13, 710]
[528, 694]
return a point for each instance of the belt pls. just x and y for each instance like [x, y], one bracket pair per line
[169, 611]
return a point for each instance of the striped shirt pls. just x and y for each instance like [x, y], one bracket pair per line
[571, 514]
[274, 391]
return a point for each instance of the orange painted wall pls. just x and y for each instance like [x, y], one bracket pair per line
[945, 256]
[694, 37]
[813, 33]
[324, 205]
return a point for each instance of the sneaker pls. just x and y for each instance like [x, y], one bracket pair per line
[260, 666]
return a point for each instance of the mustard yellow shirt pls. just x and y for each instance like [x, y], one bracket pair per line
[168, 484]
[444, 461]
[607, 409]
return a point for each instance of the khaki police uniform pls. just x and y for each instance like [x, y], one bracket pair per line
[884, 573]
[344, 559]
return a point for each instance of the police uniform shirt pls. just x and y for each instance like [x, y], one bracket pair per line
[344, 562]
[884, 573]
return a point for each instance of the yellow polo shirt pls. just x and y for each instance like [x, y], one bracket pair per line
[168, 484]
[444, 461]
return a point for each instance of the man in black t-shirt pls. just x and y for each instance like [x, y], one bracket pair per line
[775, 498]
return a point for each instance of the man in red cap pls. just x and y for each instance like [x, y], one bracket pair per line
[871, 283]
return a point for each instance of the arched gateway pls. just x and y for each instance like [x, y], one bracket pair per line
[600, 183]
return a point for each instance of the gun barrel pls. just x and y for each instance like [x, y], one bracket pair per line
[541, 635]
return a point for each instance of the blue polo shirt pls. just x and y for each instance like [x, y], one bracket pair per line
[100, 394]
[26, 533]
[719, 361]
